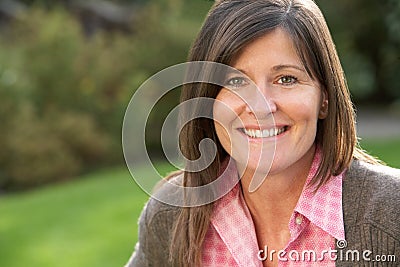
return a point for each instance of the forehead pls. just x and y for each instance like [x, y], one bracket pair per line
[274, 47]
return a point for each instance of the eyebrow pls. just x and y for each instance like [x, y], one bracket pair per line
[288, 66]
[240, 70]
[280, 67]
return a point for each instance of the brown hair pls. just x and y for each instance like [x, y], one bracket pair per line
[229, 26]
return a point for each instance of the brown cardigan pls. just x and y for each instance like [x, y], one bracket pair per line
[371, 207]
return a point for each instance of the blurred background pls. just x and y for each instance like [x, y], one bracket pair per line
[67, 72]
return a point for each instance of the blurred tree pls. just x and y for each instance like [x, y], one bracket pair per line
[52, 3]
[367, 36]
[63, 95]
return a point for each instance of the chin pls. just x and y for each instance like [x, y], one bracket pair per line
[262, 167]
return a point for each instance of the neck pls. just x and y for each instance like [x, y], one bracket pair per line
[280, 191]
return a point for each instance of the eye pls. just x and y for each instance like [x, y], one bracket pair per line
[287, 80]
[236, 82]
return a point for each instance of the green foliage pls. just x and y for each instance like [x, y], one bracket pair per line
[52, 127]
[63, 95]
[367, 37]
[31, 154]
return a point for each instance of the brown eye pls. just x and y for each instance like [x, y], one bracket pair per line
[287, 80]
[236, 82]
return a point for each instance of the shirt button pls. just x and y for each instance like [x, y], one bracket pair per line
[299, 220]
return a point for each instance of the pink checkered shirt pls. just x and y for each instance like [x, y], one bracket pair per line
[316, 222]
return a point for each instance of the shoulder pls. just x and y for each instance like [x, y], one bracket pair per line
[158, 212]
[371, 195]
[156, 224]
[375, 180]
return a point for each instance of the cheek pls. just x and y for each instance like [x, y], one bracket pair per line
[227, 107]
[226, 110]
[305, 107]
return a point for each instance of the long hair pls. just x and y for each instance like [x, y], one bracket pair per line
[228, 27]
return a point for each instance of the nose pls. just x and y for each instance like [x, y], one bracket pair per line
[262, 101]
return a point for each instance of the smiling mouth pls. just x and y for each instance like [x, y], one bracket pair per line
[253, 133]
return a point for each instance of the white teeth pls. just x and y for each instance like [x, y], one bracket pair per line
[263, 133]
[272, 132]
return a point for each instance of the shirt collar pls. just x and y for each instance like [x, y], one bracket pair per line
[323, 207]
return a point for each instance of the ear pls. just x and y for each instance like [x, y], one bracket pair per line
[323, 111]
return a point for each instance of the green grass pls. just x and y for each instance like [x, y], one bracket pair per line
[88, 222]
[387, 150]
[91, 221]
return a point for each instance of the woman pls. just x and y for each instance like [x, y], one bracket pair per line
[318, 196]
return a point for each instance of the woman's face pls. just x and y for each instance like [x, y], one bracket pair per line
[276, 122]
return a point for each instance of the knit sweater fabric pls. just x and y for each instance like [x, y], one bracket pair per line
[371, 201]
